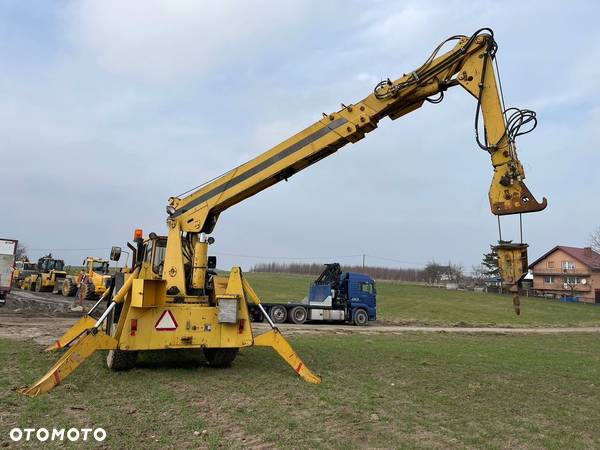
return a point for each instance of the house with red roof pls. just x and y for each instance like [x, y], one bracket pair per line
[568, 272]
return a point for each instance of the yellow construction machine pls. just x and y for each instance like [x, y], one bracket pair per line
[173, 299]
[23, 269]
[49, 274]
[91, 282]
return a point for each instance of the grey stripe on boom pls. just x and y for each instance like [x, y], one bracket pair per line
[262, 166]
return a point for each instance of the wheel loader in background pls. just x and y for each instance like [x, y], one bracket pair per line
[22, 270]
[173, 299]
[48, 276]
[91, 282]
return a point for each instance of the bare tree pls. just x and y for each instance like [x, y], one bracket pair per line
[455, 272]
[478, 274]
[595, 239]
[434, 272]
[21, 252]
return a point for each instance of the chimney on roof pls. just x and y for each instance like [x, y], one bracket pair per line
[587, 251]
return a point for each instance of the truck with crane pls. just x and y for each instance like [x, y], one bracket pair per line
[335, 296]
[174, 299]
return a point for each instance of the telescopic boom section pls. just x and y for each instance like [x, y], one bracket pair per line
[469, 64]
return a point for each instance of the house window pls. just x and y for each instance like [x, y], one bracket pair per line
[550, 264]
[567, 265]
[573, 280]
[548, 279]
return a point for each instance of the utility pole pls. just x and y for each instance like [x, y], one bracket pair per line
[364, 261]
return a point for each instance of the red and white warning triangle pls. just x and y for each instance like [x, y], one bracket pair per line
[166, 322]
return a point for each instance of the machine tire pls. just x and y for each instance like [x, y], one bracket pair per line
[69, 289]
[220, 357]
[88, 291]
[38, 285]
[278, 313]
[116, 359]
[298, 315]
[361, 318]
[121, 360]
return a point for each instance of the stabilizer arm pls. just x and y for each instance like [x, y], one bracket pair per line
[89, 336]
[277, 342]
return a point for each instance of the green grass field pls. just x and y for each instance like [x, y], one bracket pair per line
[410, 391]
[411, 304]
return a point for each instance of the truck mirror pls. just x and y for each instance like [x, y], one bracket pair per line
[212, 262]
[115, 253]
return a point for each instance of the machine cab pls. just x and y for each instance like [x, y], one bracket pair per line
[361, 292]
[48, 264]
[154, 256]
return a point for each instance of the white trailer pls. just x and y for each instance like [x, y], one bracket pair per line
[8, 248]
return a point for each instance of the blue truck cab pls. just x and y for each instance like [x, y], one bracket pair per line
[361, 293]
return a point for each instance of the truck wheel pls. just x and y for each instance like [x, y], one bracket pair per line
[360, 317]
[220, 357]
[278, 314]
[298, 315]
[120, 359]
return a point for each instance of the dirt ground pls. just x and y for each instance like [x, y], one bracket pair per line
[43, 317]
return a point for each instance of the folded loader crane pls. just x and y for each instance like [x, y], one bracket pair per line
[173, 298]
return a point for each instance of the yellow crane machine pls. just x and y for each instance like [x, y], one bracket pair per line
[173, 299]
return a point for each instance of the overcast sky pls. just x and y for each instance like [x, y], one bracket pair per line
[110, 107]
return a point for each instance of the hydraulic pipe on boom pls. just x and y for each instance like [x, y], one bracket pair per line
[175, 300]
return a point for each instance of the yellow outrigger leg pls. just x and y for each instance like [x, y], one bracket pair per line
[84, 348]
[83, 324]
[90, 337]
[277, 342]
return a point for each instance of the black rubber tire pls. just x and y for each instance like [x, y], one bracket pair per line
[361, 318]
[69, 288]
[298, 315]
[88, 291]
[278, 313]
[121, 360]
[220, 357]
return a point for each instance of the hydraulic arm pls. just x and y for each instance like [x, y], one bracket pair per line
[469, 64]
[173, 298]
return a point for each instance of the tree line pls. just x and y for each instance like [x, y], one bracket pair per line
[431, 273]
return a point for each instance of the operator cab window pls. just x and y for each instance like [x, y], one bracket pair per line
[100, 266]
[159, 256]
[367, 287]
[148, 256]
